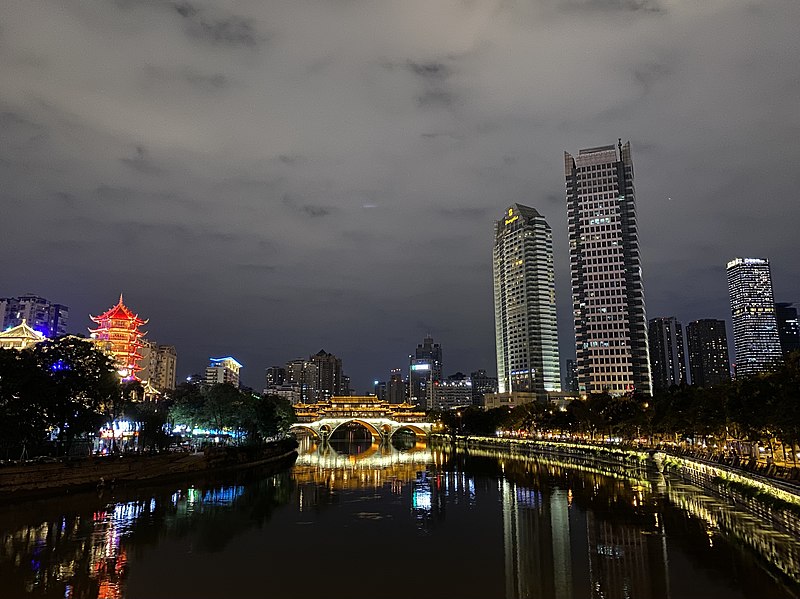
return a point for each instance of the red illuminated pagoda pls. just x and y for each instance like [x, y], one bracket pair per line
[118, 334]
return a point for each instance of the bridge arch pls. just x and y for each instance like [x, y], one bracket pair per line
[376, 434]
[311, 430]
[419, 432]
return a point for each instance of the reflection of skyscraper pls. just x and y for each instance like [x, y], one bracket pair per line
[755, 331]
[607, 289]
[526, 335]
[536, 538]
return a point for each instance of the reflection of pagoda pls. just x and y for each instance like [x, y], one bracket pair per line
[118, 334]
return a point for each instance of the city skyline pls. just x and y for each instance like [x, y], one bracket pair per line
[261, 190]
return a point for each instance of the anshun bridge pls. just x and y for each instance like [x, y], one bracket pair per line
[381, 418]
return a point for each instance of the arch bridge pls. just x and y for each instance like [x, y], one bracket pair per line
[379, 417]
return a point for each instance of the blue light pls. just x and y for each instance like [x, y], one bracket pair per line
[60, 365]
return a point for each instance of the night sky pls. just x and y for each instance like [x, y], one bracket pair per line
[266, 179]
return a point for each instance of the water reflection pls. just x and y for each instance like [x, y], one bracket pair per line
[79, 547]
[409, 520]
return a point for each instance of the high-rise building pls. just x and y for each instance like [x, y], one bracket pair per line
[118, 334]
[455, 391]
[425, 368]
[788, 327]
[223, 370]
[323, 375]
[526, 335]
[571, 377]
[607, 289]
[482, 384]
[707, 341]
[380, 390]
[396, 389]
[40, 314]
[667, 352]
[275, 376]
[755, 330]
[166, 368]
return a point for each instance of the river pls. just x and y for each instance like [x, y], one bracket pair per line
[355, 519]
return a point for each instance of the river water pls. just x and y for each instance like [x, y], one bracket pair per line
[355, 519]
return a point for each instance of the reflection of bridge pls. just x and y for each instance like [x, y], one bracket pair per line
[379, 417]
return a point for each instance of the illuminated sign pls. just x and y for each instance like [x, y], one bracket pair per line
[420, 367]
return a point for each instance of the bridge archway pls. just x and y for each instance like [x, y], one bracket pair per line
[419, 432]
[314, 433]
[376, 434]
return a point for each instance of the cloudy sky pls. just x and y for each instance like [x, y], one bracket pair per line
[268, 178]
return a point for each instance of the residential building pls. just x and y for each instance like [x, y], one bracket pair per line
[275, 376]
[526, 335]
[223, 370]
[755, 329]
[166, 369]
[607, 289]
[482, 384]
[40, 314]
[667, 352]
[396, 389]
[707, 341]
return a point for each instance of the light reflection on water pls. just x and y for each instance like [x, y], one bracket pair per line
[531, 526]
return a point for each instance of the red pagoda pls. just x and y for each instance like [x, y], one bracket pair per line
[118, 334]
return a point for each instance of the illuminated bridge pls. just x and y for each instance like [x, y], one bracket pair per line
[379, 417]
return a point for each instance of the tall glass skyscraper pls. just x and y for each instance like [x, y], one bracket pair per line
[607, 290]
[755, 329]
[526, 334]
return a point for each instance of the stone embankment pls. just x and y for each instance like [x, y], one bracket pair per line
[37, 478]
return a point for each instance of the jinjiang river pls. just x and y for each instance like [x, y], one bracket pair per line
[352, 519]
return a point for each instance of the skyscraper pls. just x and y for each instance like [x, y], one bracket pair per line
[755, 330]
[607, 289]
[323, 375]
[788, 327]
[571, 377]
[709, 363]
[526, 335]
[667, 352]
[425, 368]
[223, 370]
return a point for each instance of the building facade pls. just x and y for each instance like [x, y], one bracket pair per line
[396, 387]
[571, 377]
[667, 352]
[166, 369]
[424, 370]
[482, 384]
[755, 329]
[526, 334]
[788, 327]
[709, 362]
[40, 314]
[453, 392]
[607, 289]
[223, 370]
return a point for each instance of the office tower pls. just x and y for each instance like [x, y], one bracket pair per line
[380, 390]
[40, 314]
[571, 376]
[455, 391]
[755, 330]
[788, 327]
[667, 352]
[526, 336]
[709, 363]
[482, 384]
[118, 334]
[223, 370]
[607, 290]
[396, 389]
[425, 368]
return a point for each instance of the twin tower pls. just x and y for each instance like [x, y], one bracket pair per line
[607, 291]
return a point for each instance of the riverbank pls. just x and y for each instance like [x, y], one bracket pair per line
[776, 499]
[26, 480]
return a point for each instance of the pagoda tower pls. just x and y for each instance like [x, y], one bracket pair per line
[119, 335]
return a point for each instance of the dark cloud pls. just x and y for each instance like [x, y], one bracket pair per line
[311, 183]
[224, 30]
